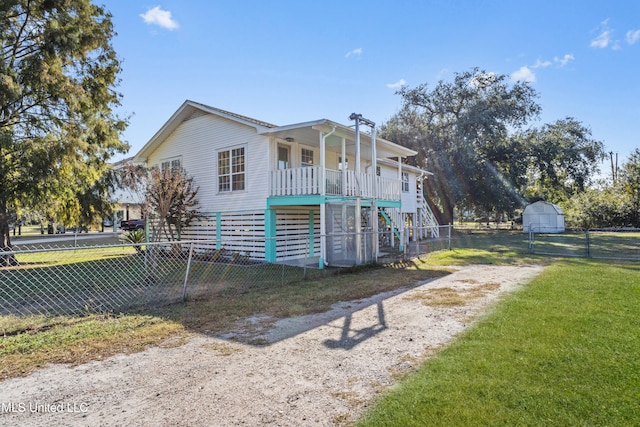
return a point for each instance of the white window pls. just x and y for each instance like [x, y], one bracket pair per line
[405, 182]
[231, 170]
[306, 157]
[172, 165]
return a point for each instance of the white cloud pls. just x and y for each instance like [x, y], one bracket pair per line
[541, 64]
[355, 52]
[564, 60]
[603, 40]
[162, 18]
[633, 36]
[524, 74]
[397, 84]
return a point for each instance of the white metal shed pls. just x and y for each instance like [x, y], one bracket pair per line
[543, 217]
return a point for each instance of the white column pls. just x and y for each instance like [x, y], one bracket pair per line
[374, 206]
[323, 207]
[344, 169]
[323, 165]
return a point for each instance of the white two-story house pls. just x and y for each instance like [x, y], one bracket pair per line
[316, 190]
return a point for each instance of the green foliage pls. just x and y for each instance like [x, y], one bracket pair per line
[57, 126]
[615, 204]
[460, 131]
[563, 351]
[562, 158]
[135, 237]
[470, 134]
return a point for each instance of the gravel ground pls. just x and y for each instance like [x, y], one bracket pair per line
[317, 370]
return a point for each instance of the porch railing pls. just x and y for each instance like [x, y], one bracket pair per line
[307, 181]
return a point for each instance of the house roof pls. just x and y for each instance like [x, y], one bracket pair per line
[411, 168]
[185, 111]
[305, 130]
[384, 147]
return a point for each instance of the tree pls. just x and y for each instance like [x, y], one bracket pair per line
[58, 128]
[562, 160]
[171, 203]
[460, 131]
[630, 183]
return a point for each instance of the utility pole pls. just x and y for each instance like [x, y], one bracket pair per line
[614, 169]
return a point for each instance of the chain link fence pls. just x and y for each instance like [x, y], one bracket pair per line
[140, 277]
[126, 278]
[600, 243]
[137, 277]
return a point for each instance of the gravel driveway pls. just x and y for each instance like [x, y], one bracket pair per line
[317, 370]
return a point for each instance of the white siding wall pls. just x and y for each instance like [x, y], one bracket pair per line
[197, 142]
[409, 202]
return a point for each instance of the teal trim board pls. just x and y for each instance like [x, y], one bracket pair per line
[270, 235]
[312, 230]
[218, 230]
[295, 200]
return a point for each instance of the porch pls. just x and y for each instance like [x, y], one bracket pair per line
[316, 180]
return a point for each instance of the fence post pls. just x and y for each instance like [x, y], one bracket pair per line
[449, 236]
[404, 248]
[586, 231]
[186, 274]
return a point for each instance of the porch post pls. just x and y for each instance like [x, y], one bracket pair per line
[358, 219]
[401, 244]
[343, 153]
[270, 243]
[218, 230]
[374, 206]
[323, 207]
[312, 230]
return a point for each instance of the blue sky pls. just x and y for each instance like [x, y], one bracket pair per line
[286, 62]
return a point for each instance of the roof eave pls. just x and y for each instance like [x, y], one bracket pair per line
[180, 114]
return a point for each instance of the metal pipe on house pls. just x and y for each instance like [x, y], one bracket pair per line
[323, 208]
[358, 118]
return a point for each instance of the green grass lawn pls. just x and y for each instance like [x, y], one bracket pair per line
[563, 351]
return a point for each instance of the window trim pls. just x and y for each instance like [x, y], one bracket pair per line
[169, 161]
[288, 162]
[405, 182]
[302, 157]
[231, 174]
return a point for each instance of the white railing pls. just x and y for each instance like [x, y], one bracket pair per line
[307, 181]
[427, 218]
[295, 182]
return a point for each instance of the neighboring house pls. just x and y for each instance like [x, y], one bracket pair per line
[294, 190]
[128, 203]
[543, 217]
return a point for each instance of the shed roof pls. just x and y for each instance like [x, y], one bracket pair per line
[542, 207]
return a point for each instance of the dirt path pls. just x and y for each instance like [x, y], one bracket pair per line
[319, 370]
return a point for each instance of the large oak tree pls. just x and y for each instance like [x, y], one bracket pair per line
[472, 134]
[58, 127]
